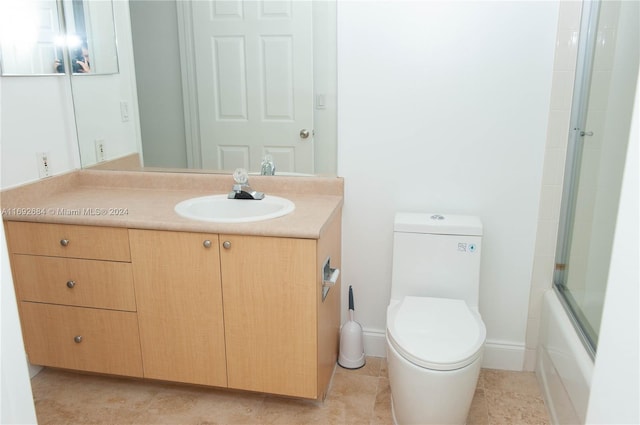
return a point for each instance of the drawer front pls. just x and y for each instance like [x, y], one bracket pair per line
[87, 339]
[70, 281]
[63, 240]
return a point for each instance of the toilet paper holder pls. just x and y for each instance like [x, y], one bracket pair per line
[329, 277]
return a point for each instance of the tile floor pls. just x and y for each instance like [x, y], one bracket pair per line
[356, 397]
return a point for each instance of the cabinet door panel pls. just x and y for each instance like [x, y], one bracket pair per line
[269, 289]
[177, 283]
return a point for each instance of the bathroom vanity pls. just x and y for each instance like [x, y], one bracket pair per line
[110, 280]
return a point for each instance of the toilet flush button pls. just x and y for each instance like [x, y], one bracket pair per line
[437, 217]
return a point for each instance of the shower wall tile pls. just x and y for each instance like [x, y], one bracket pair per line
[569, 14]
[553, 171]
[546, 238]
[543, 267]
[562, 90]
[566, 49]
[550, 200]
[557, 129]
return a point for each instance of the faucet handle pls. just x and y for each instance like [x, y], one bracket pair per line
[241, 176]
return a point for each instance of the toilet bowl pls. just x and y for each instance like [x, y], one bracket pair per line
[434, 353]
[435, 335]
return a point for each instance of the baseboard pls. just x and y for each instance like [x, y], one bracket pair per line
[375, 343]
[497, 355]
[504, 356]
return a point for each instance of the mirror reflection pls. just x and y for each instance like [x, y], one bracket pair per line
[91, 37]
[224, 84]
[31, 35]
[35, 39]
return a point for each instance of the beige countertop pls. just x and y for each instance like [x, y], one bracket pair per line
[146, 200]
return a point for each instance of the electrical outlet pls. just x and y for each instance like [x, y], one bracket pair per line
[100, 152]
[43, 164]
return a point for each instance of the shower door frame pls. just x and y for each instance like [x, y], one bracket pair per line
[579, 108]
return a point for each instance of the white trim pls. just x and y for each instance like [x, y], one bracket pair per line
[375, 343]
[497, 354]
[503, 355]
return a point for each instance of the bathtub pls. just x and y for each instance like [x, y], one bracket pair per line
[564, 367]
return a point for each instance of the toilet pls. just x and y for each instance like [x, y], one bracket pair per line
[435, 335]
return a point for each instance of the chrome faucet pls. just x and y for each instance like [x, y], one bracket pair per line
[242, 190]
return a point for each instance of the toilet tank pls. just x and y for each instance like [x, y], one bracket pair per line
[436, 256]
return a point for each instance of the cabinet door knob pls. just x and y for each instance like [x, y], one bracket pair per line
[226, 244]
[207, 243]
[64, 242]
[77, 339]
[71, 284]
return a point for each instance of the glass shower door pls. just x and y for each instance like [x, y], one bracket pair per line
[601, 117]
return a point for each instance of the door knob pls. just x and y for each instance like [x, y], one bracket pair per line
[226, 244]
[206, 243]
[304, 133]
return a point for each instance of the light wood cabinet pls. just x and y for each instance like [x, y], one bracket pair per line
[270, 314]
[281, 334]
[76, 297]
[179, 298]
[245, 312]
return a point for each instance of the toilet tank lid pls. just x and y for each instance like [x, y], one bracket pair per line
[438, 224]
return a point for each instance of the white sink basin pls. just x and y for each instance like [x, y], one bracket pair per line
[220, 209]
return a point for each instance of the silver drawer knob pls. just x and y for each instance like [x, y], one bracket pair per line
[207, 243]
[71, 284]
[64, 242]
[226, 244]
[77, 339]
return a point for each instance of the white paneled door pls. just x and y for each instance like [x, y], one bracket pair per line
[254, 78]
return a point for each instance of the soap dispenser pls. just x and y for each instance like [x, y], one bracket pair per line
[267, 168]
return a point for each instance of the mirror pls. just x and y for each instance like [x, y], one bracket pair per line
[91, 37]
[222, 84]
[35, 39]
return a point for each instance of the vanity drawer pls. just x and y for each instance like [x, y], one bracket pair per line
[87, 339]
[71, 281]
[64, 240]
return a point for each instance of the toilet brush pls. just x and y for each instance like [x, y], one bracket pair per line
[351, 344]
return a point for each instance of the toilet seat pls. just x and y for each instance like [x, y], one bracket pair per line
[435, 333]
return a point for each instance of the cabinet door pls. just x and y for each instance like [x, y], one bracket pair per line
[269, 291]
[178, 293]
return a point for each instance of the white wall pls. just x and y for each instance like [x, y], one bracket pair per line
[443, 107]
[37, 116]
[16, 402]
[616, 377]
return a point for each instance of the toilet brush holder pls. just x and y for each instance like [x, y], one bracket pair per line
[351, 341]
